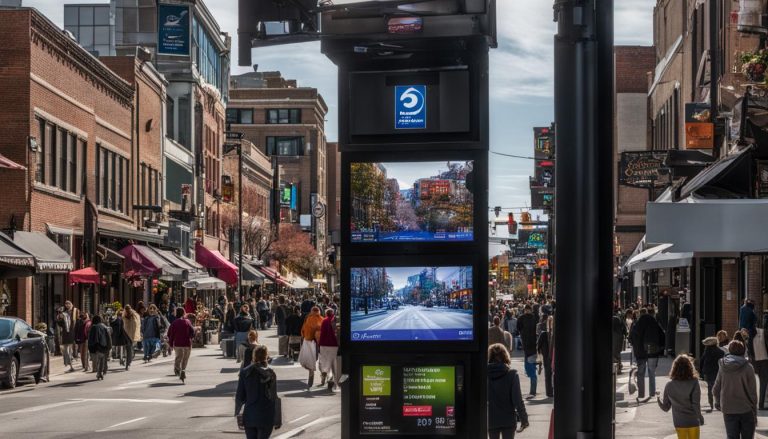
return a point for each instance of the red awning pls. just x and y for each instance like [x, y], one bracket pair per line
[214, 260]
[84, 276]
[141, 261]
[7, 163]
[274, 276]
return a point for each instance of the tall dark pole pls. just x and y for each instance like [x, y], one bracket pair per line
[240, 220]
[583, 116]
[714, 69]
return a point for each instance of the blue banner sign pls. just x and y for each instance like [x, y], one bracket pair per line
[410, 107]
[173, 29]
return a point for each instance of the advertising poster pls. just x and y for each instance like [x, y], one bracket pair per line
[410, 107]
[699, 129]
[173, 29]
[429, 400]
[376, 401]
[533, 238]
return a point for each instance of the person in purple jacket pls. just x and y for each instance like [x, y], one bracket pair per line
[180, 336]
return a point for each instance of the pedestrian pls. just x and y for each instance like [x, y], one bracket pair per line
[228, 323]
[329, 348]
[723, 340]
[618, 334]
[257, 397]
[281, 313]
[119, 337]
[190, 305]
[683, 395]
[99, 344]
[709, 364]
[310, 331]
[760, 363]
[180, 335]
[274, 304]
[505, 400]
[82, 327]
[132, 327]
[151, 331]
[250, 344]
[308, 303]
[526, 326]
[495, 333]
[647, 338]
[748, 321]
[544, 348]
[242, 325]
[735, 393]
[165, 346]
[293, 330]
[66, 321]
[262, 307]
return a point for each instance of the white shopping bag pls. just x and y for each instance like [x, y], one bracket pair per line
[308, 355]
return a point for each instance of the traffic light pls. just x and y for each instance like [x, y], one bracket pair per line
[512, 224]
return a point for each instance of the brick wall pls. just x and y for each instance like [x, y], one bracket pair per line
[632, 64]
[730, 302]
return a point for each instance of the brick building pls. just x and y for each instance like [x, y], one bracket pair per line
[287, 122]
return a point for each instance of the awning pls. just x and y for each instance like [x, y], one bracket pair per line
[49, 257]
[189, 268]
[84, 276]
[212, 259]
[206, 283]
[707, 225]
[718, 178]
[108, 255]
[665, 260]
[298, 283]
[11, 254]
[646, 254]
[7, 163]
[113, 230]
[274, 276]
[56, 230]
[141, 260]
[251, 274]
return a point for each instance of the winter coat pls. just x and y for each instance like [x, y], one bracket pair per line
[119, 337]
[150, 327]
[243, 323]
[229, 321]
[684, 398]
[328, 332]
[647, 333]
[99, 339]
[293, 325]
[526, 326]
[132, 327]
[181, 333]
[67, 322]
[190, 307]
[542, 346]
[735, 388]
[495, 335]
[311, 328]
[280, 316]
[82, 327]
[256, 395]
[710, 362]
[505, 400]
[618, 331]
[747, 318]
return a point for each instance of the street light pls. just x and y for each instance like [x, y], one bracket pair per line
[228, 148]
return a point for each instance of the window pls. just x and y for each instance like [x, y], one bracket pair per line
[57, 158]
[206, 56]
[283, 116]
[288, 146]
[91, 26]
[240, 115]
[112, 175]
[169, 117]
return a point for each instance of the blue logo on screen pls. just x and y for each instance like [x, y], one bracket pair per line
[410, 107]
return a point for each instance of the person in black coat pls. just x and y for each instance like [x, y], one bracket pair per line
[709, 365]
[647, 338]
[526, 326]
[119, 337]
[256, 396]
[544, 348]
[505, 400]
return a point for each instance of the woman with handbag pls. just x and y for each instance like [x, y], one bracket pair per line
[257, 397]
[310, 332]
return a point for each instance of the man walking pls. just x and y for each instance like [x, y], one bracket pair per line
[647, 338]
[735, 393]
[526, 327]
[66, 321]
[99, 344]
[180, 336]
[748, 321]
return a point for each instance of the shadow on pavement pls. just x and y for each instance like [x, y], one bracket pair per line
[166, 384]
[74, 383]
[230, 370]
[224, 389]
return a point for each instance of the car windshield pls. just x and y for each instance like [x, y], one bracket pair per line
[6, 329]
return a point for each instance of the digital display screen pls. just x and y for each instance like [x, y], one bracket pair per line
[411, 202]
[424, 403]
[411, 304]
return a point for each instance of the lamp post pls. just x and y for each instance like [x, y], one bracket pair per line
[229, 147]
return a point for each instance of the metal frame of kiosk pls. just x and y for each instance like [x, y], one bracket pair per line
[469, 357]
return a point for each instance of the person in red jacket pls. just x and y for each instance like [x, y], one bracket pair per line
[190, 306]
[329, 348]
[180, 336]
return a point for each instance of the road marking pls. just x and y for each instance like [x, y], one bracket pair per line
[135, 383]
[298, 419]
[121, 424]
[40, 408]
[296, 431]
[139, 401]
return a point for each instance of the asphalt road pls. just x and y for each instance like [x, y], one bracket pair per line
[415, 317]
[149, 401]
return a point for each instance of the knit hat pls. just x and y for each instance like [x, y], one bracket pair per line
[710, 341]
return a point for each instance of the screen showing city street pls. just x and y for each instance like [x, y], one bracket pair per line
[411, 303]
[414, 201]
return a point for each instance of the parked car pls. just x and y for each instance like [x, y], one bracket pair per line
[23, 352]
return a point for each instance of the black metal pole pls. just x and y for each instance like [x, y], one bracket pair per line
[714, 69]
[583, 116]
[240, 220]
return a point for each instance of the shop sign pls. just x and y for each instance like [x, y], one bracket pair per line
[542, 198]
[643, 169]
[699, 129]
[410, 107]
[533, 238]
[542, 143]
[227, 189]
[173, 29]
[405, 25]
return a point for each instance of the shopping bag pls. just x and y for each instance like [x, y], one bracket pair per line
[278, 413]
[282, 345]
[308, 355]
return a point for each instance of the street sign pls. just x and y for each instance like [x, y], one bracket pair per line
[642, 169]
[410, 107]
[318, 210]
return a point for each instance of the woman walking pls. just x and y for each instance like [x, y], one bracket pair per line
[243, 324]
[257, 397]
[710, 366]
[249, 345]
[151, 329]
[310, 333]
[505, 400]
[544, 348]
[82, 328]
[132, 327]
[735, 393]
[682, 394]
[329, 348]
[119, 337]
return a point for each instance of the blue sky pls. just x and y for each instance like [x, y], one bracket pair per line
[521, 76]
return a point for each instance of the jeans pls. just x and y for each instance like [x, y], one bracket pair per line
[530, 370]
[550, 392]
[258, 433]
[84, 355]
[150, 346]
[642, 365]
[129, 353]
[182, 358]
[99, 363]
[740, 426]
[67, 351]
[710, 398]
[502, 433]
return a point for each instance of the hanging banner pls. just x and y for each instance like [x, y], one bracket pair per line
[643, 169]
[699, 129]
[173, 29]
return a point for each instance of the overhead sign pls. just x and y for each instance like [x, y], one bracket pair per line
[410, 107]
[173, 29]
[643, 169]
[699, 129]
[533, 238]
[542, 143]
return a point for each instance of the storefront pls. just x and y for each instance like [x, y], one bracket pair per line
[16, 266]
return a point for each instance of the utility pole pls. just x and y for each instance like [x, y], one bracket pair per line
[240, 219]
[584, 405]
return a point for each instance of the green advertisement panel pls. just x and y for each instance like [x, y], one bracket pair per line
[376, 403]
[429, 400]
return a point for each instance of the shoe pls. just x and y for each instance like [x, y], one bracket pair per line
[182, 376]
[71, 369]
[330, 386]
[530, 396]
[176, 372]
[127, 367]
[323, 377]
